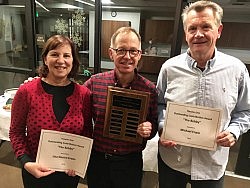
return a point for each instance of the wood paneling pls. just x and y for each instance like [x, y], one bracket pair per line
[159, 31]
[235, 35]
[108, 28]
[151, 64]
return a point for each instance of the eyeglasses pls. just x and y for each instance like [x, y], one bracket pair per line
[123, 52]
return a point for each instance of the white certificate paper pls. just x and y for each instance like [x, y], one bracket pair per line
[61, 151]
[191, 125]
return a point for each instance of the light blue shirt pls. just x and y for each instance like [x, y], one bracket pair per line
[223, 84]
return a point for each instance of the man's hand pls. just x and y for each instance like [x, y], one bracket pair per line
[167, 143]
[144, 129]
[164, 142]
[29, 79]
[226, 139]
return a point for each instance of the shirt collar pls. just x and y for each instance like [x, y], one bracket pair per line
[130, 85]
[192, 63]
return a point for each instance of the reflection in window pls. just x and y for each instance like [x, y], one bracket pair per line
[13, 43]
[70, 22]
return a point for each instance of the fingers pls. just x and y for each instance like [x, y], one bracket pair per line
[226, 139]
[37, 170]
[167, 143]
[45, 173]
[144, 129]
[70, 172]
[30, 79]
[42, 171]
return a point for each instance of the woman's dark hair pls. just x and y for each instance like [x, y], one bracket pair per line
[51, 44]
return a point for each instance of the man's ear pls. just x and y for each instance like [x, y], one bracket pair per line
[220, 31]
[110, 51]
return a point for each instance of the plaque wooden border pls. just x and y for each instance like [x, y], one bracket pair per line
[125, 110]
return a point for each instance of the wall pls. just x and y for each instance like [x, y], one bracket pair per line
[134, 18]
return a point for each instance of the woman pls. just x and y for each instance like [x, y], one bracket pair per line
[51, 102]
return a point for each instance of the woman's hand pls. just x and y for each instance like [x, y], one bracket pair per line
[70, 172]
[37, 170]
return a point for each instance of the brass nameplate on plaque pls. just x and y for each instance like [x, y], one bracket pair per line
[125, 110]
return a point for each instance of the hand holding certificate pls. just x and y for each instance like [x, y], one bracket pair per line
[190, 125]
[61, 151]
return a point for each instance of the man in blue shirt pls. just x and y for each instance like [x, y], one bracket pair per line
[202, 76]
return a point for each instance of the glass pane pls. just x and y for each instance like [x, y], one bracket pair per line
[154, 20]
[69, 18]
[10, 80]
[13, 39]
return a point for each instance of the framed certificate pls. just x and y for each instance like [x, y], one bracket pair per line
[61, 151]
[191, 125]
[125, 110]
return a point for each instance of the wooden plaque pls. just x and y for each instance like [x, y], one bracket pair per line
[125, 110]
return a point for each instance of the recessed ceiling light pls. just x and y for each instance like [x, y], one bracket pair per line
[106, 2]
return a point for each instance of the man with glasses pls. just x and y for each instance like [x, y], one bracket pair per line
[115, 163]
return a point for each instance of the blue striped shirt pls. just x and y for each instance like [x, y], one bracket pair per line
[223, 84]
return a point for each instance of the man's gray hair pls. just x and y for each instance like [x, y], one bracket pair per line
[199, 6]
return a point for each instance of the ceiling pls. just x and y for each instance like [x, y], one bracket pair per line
[146, 4]
[164, 8]
[163, 5]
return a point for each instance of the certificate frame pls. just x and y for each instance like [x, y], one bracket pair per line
[191, 125]
[125, 110]
[62, 151]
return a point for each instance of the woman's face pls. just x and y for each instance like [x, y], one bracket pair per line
[59, 62]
